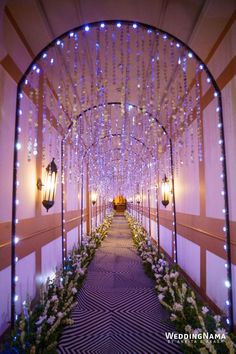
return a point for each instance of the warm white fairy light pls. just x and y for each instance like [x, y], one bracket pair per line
[16, 240]
[227, 284]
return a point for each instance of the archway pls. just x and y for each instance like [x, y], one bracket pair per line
[150, 68]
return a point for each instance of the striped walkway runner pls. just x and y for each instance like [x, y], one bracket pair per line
[118, 310]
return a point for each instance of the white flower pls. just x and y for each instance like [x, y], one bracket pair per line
[174, 275]
[162, 289]
[74, 290]
[217, 318]
[177, 306]
[221, 331]
[160, 269]
[173, 317]
[157, 276]
[188, 328]
[161, 297]
[204, 310]
[51, 319]
[54, 298]
[60, 314]
[190, 300]
[40, 320]
[197, 331]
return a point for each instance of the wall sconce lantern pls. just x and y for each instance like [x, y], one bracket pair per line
[49, 191]
[165, 188]
[138, 198]
[94, 197]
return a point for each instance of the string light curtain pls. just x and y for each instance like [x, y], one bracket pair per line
[132, 92]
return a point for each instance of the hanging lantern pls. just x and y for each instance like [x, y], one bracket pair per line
[138, 198]
[94, 197]
[49, 191]
[165, 188]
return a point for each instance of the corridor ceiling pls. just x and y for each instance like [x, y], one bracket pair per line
[123, 85]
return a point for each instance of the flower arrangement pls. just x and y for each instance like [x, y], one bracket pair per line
[187, 311]
[39, 327]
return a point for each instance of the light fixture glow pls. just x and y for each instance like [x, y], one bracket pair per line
[165, 188]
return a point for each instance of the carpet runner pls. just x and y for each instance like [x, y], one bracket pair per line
[118, 310]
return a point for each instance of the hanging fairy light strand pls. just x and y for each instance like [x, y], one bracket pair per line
[129, 107]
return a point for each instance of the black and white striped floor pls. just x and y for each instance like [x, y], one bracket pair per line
[118, 310]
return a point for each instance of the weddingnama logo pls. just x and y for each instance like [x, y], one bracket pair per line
[193, 337]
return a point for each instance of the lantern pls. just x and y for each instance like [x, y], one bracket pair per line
[94, 197]
[138, 198]
[165, 188]
[49, 190]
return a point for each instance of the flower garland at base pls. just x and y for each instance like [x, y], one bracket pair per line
[38, 328]
[205, 331]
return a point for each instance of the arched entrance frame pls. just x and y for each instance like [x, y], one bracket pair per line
[217, 91]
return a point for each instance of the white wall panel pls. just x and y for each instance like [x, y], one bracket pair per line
[166, 239]
[215, 279]
[154, 229]
[234, 289]
[72, 239]
[51, 255]
[5, 298]
[189, 258]
[26, 285]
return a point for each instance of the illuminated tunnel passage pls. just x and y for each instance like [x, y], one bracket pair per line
[118, 310]
[133, 112]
